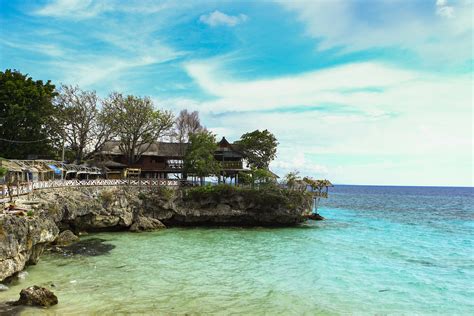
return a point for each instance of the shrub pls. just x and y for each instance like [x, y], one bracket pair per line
[166, 193]
[106, 196]
[268, 197]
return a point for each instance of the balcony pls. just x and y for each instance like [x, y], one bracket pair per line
[174, 165]
[226, 165]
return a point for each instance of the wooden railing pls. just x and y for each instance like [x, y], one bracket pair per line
[30, 187]
[231, 164]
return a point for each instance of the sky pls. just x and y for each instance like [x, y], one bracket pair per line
[358, 92]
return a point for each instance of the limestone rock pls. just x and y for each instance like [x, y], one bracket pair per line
[65, 238]
[36, 296]
[22, 240]
[146, 224]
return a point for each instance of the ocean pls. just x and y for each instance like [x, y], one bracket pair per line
[381, 250]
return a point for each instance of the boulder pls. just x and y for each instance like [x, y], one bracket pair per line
[36, 296]
[143, 223]
[65, 238]
[314, 217]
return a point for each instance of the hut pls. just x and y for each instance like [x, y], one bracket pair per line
[15, 172]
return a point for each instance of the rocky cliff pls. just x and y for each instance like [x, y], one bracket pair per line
[23, 238]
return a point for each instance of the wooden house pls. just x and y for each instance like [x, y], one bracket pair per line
[164, 160]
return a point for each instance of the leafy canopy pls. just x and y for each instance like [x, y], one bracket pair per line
[199, 159]
[26, 112]
[136, 123]
[259, 147]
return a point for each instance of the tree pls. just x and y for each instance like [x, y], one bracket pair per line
[291, 179]
[84, 129]
[8, 181]
[26, 112]
[259, 147]
[135, 123]
[199, 159]
[186, 124]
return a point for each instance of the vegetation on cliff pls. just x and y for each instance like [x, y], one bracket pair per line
[264, 198]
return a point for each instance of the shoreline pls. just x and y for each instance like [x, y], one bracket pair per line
[24, 238]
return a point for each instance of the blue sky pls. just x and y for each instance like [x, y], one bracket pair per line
[359, 92]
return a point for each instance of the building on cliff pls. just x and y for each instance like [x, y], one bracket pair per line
[164, 160]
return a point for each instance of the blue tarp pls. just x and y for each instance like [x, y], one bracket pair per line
[56, 169]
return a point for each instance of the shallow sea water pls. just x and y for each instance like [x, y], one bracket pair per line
[382, 250]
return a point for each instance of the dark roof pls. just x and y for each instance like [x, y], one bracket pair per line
[224, 143]
[160, 149]
[164, 149]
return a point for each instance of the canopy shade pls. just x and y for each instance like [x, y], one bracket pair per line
[55, 169]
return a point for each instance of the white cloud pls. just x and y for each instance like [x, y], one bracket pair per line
[86, 9]
[77, 9]
[51, 50]
[414, 124]
[444, 37]
[218, 18]
[443, 9]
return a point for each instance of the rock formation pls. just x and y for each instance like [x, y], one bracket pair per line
[36, 296]
[75, 210]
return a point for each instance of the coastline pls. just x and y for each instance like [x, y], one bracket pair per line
[24, 238]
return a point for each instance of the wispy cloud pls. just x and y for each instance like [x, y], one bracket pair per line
[429, 115]
[443, 9]
[85, 9]
[51, 50]
[218, 18]
[436, 34]
[339, 104]
[76, 9]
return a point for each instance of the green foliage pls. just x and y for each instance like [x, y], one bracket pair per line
[3, 171]
[291, 179]
[165, 192]
[256, 176]
[199, 159]
[27, 115]
[245, 178]
[259, 147]
[106, 196]
[262, 176]
[266, 198]
[210, 191]
[29, 213]
[135, 122]
[142, 195]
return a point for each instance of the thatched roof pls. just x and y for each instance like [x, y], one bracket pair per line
[11, 165]
[160, 149]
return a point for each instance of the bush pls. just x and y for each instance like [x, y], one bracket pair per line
[268, 197]
[166, 193]
[106, 196]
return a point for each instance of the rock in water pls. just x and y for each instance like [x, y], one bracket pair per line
[143, 223]
[3, 287]
[65, 238]
[36, 296]
[314, 217]
[87, 247]
[22, 275]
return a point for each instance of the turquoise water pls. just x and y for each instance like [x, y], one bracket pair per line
[381, 251]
